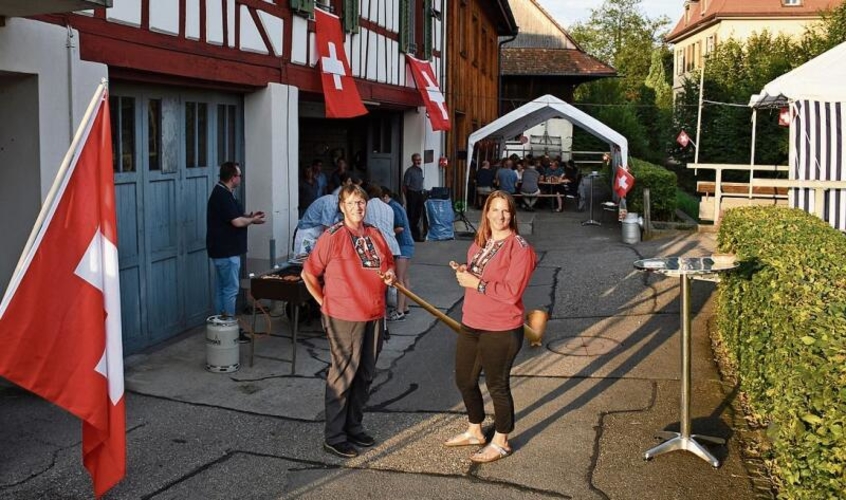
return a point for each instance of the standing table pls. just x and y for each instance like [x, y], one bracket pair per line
[686, 269]
[590, 222]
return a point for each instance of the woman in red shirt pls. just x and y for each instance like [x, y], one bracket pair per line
[499, 265]
[350, 256]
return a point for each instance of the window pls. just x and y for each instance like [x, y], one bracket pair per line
[123, 133]
[226, 127]
[351, 16]
[462, 29]
[476, 36]
[408, 21]
[485, 51]
[196, 134]
[303, 7]
[792, 3]
[428, 29]
[710, 44]
[154, 134]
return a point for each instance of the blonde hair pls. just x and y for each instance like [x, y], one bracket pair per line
[484, 232]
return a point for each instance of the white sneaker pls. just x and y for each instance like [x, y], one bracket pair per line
[396, 316]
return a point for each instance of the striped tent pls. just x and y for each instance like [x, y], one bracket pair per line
[816, 98]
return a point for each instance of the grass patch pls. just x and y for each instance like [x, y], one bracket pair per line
[687, 203]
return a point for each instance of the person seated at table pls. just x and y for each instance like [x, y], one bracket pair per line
[572, 173]
[506, 177]
[529, 187]
[484, 182]
[555, 176]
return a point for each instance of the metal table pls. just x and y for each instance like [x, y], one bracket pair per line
[686, 269]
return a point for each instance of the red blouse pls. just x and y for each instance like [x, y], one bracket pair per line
[505, 268]
[350, 266]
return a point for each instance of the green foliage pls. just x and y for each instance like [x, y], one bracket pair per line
[687, 203]
[620, 34]
[662, 189]
[782, 318]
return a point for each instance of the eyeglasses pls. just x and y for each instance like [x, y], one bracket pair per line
[359, 203]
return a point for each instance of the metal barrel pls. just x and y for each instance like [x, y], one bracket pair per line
[223, 354]
[631, 229]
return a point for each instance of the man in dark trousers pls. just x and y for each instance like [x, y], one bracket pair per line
[412, 188]
[226, 238]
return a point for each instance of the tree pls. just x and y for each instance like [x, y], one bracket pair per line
[619, 33]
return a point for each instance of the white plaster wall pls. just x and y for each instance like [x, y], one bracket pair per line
[32, 49]
[271, 155]
[414, 140]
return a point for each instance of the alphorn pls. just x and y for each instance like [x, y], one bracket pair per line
[533, 333]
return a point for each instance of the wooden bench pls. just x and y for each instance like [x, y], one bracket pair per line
[736, 189]
[736, 194]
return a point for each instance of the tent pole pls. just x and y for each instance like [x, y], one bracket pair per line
[752, 158]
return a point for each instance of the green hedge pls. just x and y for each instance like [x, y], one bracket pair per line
[782, 320]
[662, 190]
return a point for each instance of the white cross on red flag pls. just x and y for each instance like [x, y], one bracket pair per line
[623, 182]
[339, 90]
[60, 324]
[784, 117]
[433, 98]
[683, 139]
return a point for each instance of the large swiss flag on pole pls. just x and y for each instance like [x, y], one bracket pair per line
[60, 316]
[339, 90]
[434, 99]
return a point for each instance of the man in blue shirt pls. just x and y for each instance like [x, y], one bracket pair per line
[226, 238]
[319, 216]
[506, 177]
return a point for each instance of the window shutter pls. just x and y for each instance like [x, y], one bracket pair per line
[303, 7]
[428, 23]
[351, 16]
[405, 24]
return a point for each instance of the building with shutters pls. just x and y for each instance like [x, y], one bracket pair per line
[194, 83]
[706, 23]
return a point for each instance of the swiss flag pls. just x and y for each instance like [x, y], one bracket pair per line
[784, 117]
[623, 182]
[60, 316]
[434, 99]
[683, 139]
[339, 90]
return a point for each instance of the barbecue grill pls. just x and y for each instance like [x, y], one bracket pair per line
[285, 285]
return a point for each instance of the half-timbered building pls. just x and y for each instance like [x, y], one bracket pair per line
[194, 83]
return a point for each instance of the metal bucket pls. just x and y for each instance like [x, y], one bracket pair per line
[223, 354]
[631, 228]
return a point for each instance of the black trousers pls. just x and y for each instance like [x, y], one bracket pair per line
[493, 352]
[414, 201]
[354, 347]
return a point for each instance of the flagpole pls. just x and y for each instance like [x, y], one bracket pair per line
[699, 114]
[58, 181]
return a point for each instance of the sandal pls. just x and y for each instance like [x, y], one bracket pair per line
[464, 439]
[490, 453]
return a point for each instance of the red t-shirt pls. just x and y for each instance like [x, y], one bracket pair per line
[350, 265]
[505, 268]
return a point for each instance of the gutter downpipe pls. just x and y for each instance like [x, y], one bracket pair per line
[499, 69]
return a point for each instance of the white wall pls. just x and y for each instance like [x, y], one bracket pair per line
[271, 160]
[54, 88]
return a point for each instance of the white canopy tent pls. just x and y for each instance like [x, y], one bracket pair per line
[820, 79]
[816, 97]
[538, 111]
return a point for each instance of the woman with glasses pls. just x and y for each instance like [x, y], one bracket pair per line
[351, 257]
[499, 265]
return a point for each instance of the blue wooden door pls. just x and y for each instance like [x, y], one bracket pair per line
[165, 272]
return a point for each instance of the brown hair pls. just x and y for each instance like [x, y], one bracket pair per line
[484, 232]
[346, 192]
